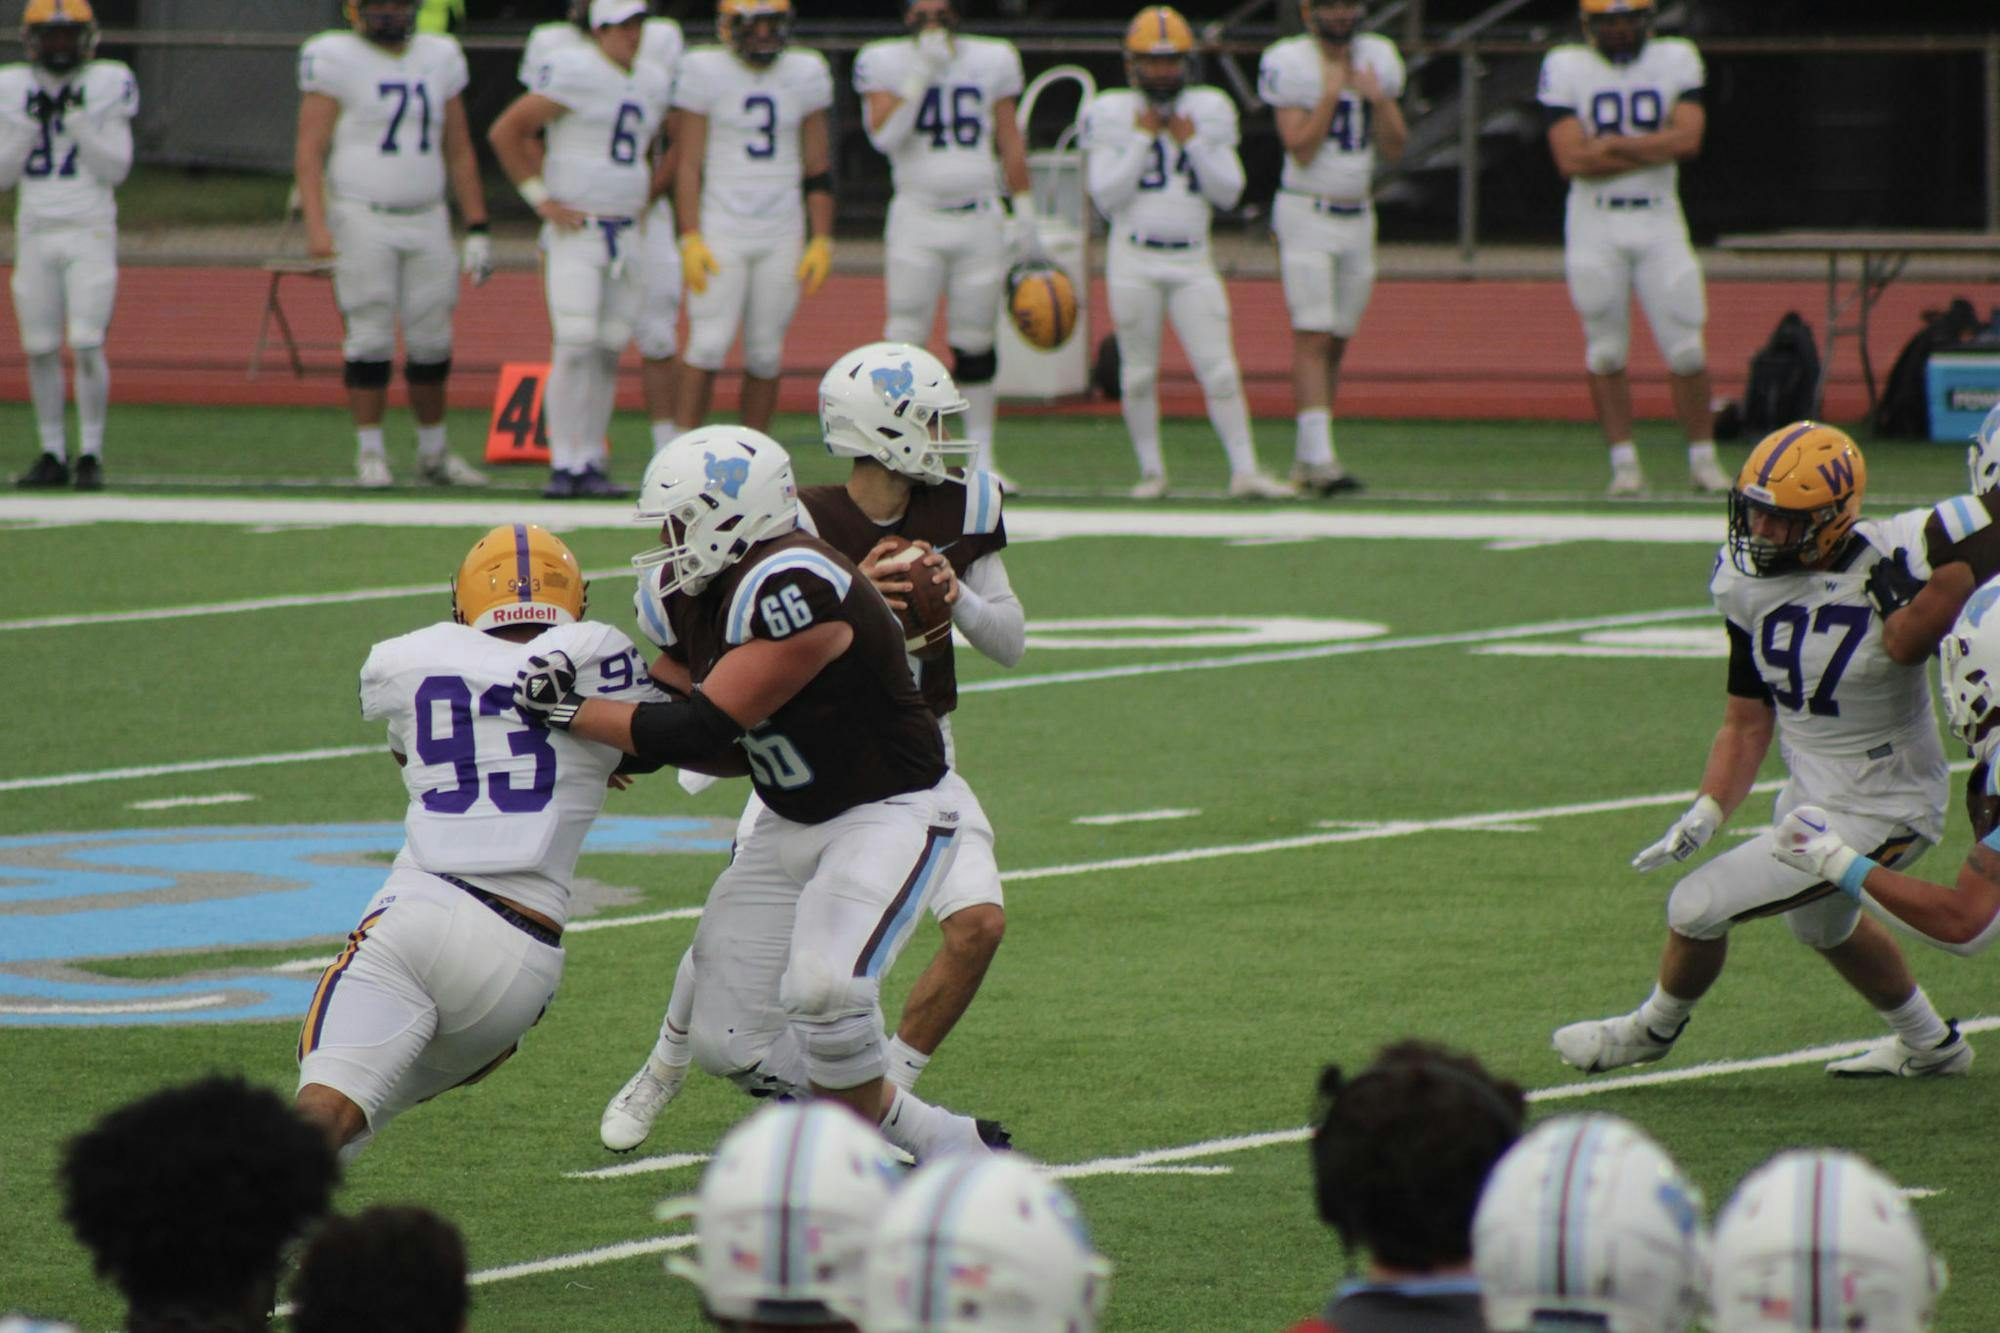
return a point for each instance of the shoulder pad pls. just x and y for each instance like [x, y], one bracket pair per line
[650, 613]
[796, 561]
[1961, 516]
[983, 500]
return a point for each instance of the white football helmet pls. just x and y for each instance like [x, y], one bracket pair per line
[720, 490]
[891, 402]
[1971, 654]
[1982, 460]
[979, 1242]
[1586, 1216]
[784, 1215]
[1821, 1240]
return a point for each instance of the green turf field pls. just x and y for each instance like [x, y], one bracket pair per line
[1165, 983]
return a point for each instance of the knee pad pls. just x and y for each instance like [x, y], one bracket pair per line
[816, 988]
[1692, 911]
[726, 1052]
[1687, 357]
[843, 1052]
[657, 339]
[974, 367]
[1135, 381]
[1605, 355]
[427, 372]
[367, 374]
[371, 334]
[763, 360]
[1219, 379]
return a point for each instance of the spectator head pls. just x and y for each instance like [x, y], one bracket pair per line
[186, 1199]
[1588, 1219]
[984, 1243]
[388, 1270]
[1821, 1240]
[783, 1218]
[1401, 1151]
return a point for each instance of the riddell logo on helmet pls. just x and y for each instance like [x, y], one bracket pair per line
[530, 614]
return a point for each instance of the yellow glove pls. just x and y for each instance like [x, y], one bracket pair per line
[697, 262]
[818, 262]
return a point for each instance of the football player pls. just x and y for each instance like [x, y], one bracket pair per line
[1587, 1223]
[65, 147]
[889, 406]
[1821, 1240]
[382, 126]
[1161, 158]
[786, 665]
[1333, 90]
[459, 953]
[940, 106]
[655, 331]
[1624, 110]
[754, 196]
[596, 106]
[1807, 665]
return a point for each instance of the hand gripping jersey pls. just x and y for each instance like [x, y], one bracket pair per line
[388, 145]
[660, 46]
[1169, 204]
[597, 161]
[750, 173]
[1290, 75]
[949, 157]
[57, 184]
[961, 518]
[859, 731]
[493, 799]
[1637, 97]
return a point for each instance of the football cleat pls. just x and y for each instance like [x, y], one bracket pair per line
[1626, 480]
[449, 469]
[371, 472]
[1152, 486]
[1896, 1058]
[562, 486]
[1601, 1044]
[994, 1135]
[89, 473]
[1707, 477]
[1259, 486]
[593, 484]
[1323, 479]
[48, 471]
[629, 1116]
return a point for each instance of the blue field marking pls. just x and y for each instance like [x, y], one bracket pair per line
[70, 897]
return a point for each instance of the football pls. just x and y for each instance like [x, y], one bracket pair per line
[927, 616]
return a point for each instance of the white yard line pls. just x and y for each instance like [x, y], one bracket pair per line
[606, 923]
[177, 802]
[136, 1007]
[191, 766]
[1135, 817]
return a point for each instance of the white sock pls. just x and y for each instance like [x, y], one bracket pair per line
[1916, 1022]
[672, 1048]
[93, 397]
[1701, 451]
[664, 433]
[45, 386]
[982, 410]
[370, 440]
[1230, 416]
[567, 405]
[1624, 454]
[1142, 423]
[430, 442]
[925, 1131]
[906, 1063]
[1315, 439]
[1664, 1014]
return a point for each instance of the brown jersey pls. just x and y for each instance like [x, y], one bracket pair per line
[859, 731]
[1982, 806]
[1963, 529]
[960, 518]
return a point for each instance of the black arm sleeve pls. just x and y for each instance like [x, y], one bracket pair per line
[1745, 681]
[632, 766]
[681, 733]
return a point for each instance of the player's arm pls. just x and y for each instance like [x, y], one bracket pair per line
[1678, 141]
[317, 116]
[19, 135]
[516, 141]
[891, 117]
[988, 613]
[104, 143]
[463, 165]
[1013, 149]
[1114, 161]
[691, 140]
[1303, 129]
[1960, 919]
[1580, 156]
[1912, 632]
[1392, 132]
[1211, 150]
[815, 170]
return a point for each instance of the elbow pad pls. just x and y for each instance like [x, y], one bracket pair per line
[678, 733]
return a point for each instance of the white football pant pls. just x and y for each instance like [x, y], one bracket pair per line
[1327, 264]
[757, 290]
[1607, 252]
[65, 283]
[389, 266]
[960, 254]
[657, 329]
[1146, 286]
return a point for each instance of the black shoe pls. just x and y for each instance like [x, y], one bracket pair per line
[562, 486]
[994, 1135]
[592, 484]
[47, 473]
[89, 473]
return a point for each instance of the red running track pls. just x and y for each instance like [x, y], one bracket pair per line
[1442, 349]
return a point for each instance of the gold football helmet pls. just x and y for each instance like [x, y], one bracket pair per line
[1795, 500]
[519, 574]
[1618, 28]
[1042, 302]
[1159, 53]
[59, 35]
[756, 30]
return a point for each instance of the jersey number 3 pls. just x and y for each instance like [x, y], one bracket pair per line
[456, 744]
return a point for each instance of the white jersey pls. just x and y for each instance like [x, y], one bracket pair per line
[949, 156]
[1637, 97]
[1290, 75]
[57, 184]
[1168, 204]
[597, 161]
[660, 46]
[750, 184]
[492, 799]
[388, 144]
[1855, 727]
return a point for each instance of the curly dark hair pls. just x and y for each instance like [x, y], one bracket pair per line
[387, 1270]
[1401, 1151]
[187, 1198]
